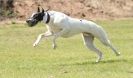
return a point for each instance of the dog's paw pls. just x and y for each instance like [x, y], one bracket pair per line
[54, 46]
[118, 54]
[35, 44]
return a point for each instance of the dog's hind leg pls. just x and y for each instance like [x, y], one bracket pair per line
[107, 42]
[88, 41]
[114, 50]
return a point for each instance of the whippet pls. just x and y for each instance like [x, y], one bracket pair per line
[61, 25]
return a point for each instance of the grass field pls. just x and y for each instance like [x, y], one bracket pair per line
[71, 59]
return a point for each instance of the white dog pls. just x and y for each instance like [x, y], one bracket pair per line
[61, 25]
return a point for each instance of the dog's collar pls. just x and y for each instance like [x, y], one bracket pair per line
[47, 18]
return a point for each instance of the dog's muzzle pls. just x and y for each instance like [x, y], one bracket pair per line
[31, 22]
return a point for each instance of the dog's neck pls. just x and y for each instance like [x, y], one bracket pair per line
[46, 18]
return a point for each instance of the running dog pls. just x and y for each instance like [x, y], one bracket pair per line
[60, 25]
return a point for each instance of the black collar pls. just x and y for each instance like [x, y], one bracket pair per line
[48, 18]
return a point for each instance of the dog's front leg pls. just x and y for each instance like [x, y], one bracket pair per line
[46, 34]
[58, 34]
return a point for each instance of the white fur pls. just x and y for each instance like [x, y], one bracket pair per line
[61, 25]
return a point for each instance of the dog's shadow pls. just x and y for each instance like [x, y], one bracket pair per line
[101, 62]
[113, 61]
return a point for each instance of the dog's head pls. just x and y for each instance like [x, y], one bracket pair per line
[35, 17]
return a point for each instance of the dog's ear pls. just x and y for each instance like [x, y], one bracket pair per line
[38, 9]
[42, 10]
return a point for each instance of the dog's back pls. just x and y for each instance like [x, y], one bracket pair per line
[74, 25]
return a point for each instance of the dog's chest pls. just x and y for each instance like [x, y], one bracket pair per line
[54, 28]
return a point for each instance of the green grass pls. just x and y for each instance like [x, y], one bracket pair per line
[71, 59]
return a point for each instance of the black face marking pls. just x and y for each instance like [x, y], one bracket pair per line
[38, 16]
[34, 19]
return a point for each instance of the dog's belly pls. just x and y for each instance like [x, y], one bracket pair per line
[69, 34]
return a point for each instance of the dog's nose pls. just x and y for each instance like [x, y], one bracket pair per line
[27, 21]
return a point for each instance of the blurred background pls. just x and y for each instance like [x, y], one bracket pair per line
[88, 9]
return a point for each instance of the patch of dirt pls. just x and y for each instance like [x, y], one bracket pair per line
[88, 9]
